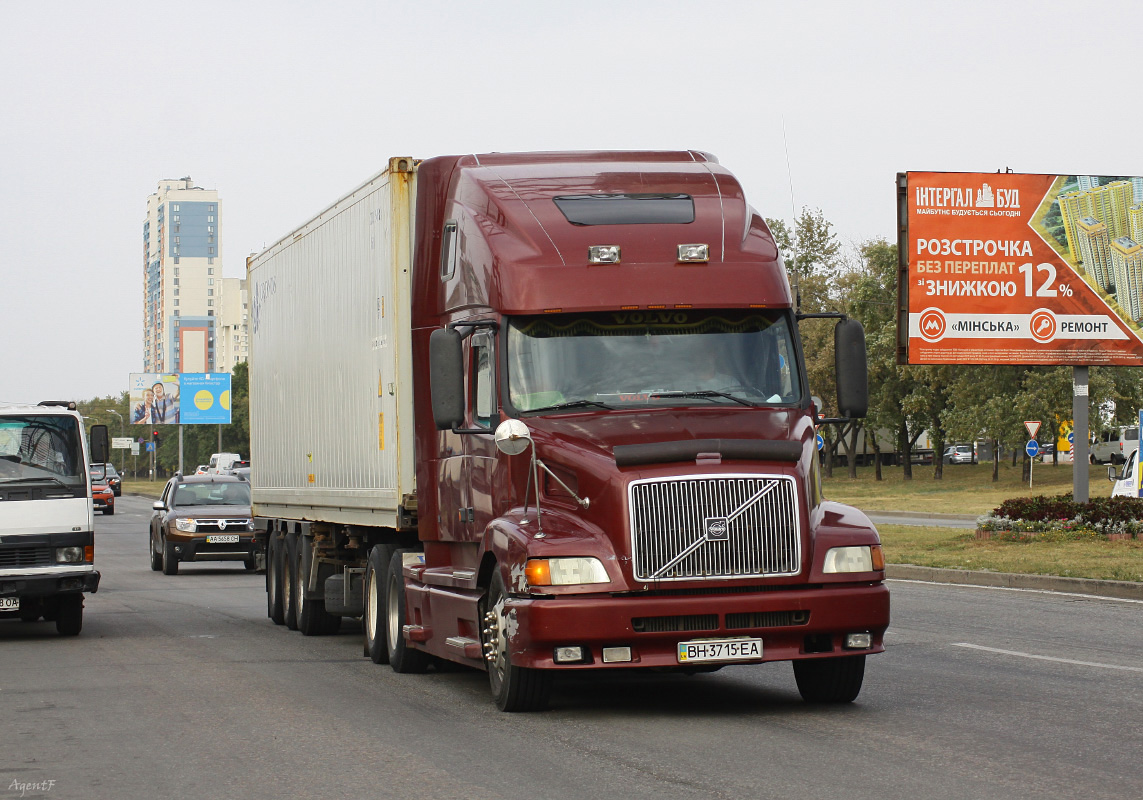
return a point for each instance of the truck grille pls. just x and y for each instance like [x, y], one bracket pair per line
[24, 556]
[730, 526]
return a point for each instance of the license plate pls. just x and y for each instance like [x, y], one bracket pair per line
[711, 650]
[223, 538]
[9, 603]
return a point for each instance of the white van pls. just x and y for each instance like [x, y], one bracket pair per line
[1127, 481]
[222, 462]
[1114, 445]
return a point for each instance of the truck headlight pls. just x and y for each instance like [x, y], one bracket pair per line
[69, 555]
[866, 558]
[185, 525]
[565, 571]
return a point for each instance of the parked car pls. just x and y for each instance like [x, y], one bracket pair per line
[106, 473]
[958, 454]
[1115, 445]
[102, 498]
[202, 518]
[201, 470]
[1126, 481]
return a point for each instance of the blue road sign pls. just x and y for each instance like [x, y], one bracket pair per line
[1032, 448]
[821, 442]
[150, 447]
[1072, 438]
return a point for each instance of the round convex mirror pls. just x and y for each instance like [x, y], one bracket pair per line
[513, 437]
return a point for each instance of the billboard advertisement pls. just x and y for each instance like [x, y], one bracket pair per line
[1010, 268]
[186, 398]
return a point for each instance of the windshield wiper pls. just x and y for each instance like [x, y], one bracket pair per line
[44, 479]
[709, 393]
[573, 404]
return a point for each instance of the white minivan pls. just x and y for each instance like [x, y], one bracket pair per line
[1114, 445]
[1127, 481]
[222, 462]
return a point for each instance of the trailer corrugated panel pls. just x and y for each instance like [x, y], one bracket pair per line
[331, 413]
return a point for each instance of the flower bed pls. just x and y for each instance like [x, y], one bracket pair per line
[1060, 518]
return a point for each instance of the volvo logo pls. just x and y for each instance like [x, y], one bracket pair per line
[717, 528]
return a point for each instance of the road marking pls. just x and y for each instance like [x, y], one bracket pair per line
[1046, 658]
[1018, 589]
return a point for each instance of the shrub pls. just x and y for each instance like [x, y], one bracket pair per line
[1063, 516]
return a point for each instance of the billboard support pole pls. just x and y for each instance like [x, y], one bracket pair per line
[180, 449]
[1080, 438]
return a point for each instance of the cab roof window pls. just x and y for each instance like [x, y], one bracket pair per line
[627, 209]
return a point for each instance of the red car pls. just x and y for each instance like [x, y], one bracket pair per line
[103, 498]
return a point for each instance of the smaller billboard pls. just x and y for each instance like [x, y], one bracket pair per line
[185, 398]
[206, 398]
[154, 398]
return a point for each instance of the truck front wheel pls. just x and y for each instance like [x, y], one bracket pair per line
[402, 658]
[69, 614]
[513, 688]
[376, 644]
[830, 680]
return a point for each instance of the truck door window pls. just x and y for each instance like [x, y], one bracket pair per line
[483, 385]
[448, 250]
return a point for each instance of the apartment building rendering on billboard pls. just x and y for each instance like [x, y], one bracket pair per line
[1103, 225]
[187, 304]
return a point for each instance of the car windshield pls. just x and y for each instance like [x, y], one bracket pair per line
[41, 447]
[212, 494]
[652, 358]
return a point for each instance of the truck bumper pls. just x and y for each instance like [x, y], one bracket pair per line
[49, 585]
[811, 623]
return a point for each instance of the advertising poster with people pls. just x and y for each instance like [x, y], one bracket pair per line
[156, 399]
[1009, 268]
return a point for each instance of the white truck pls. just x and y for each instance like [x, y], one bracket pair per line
[47, 523]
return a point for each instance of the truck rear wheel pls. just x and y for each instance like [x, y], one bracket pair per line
[312, 617]
[830, 680]
[376, 642]
[513, 688]
[289, 580]
[402, 658]
[69, 614]
[275, 609]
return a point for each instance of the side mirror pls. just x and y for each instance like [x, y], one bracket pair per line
[851, 369]
[1112, 475]
[100, 445]
[446, 378]
[158, 506]
[512, 437]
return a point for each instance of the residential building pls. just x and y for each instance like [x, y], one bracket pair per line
[1127, 264]
[1093, 241]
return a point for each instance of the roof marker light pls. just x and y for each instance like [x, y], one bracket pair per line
[603, 254]
[694, 253]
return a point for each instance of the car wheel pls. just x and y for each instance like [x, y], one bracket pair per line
[156, 556]
[109, 511]
[830, 680]
[170, 559]
[69, 614]
[513, 688]
[402, 657]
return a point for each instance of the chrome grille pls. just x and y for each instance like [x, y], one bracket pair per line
[730, 526]
[215, 526]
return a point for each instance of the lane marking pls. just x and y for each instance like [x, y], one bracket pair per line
[1017, 589]
[1046, 658]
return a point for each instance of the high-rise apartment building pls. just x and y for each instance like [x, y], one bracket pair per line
[1093, 241]
[184, 293]
[1107, 203]
[1127, 264]
[1135, 222]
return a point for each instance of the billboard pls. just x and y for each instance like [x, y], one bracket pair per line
[186, 398]
[1010, 268]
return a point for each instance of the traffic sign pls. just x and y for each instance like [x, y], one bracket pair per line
[821, 442]
[150, 447]
[1033, 427]
[1071, 437]
[1032, 448]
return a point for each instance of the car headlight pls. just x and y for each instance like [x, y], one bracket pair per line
[69, 555]
[865, 558]
[565, 571]
[185, 525]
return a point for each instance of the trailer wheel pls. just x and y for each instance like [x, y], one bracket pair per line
[376, 643]
[513, 688]
[289, 579]
[69, 614]
[275, 608]
[312, 617]
[170, 559]
[402, 658]
[830, 680]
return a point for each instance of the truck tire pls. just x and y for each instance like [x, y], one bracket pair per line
[513, 688]
[312, 617]
[402, 658]
[830, 680]
[156, 557]
[170, 559]
[373, 620]
[69, 614]
[289, 578]
[275, 608]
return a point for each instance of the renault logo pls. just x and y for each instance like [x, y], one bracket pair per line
[222, 524]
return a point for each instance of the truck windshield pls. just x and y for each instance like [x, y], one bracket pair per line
[41, 447]
[651, 358]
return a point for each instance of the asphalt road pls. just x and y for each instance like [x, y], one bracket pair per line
[180, 687]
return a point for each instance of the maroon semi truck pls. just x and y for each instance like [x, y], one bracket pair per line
[546, 412]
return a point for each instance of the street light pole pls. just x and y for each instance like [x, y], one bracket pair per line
[123, 460]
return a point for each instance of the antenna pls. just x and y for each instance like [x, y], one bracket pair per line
[793, 220]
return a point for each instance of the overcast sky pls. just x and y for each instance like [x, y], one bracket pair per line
[285, 106]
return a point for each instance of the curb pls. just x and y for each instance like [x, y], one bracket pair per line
[921, 514]
[1125, 590]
